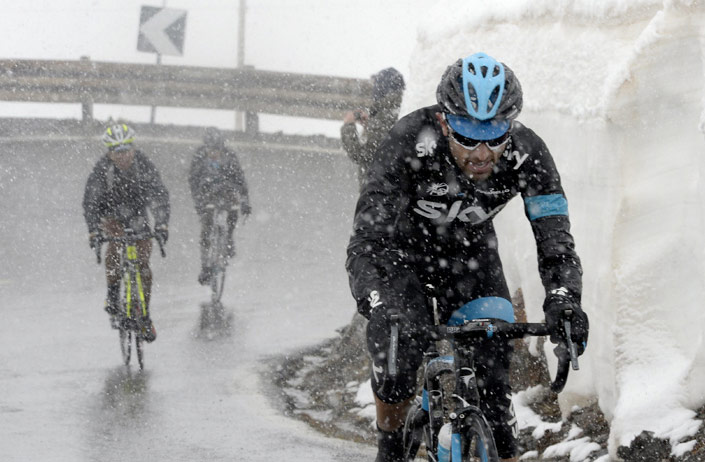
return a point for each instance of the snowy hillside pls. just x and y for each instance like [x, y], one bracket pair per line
[615, 88]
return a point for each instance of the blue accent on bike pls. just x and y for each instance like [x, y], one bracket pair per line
[482, 450]
[424, 393]
[443, 454]
[450, 360]
[455, 447]
[545, 206]
[485, 307]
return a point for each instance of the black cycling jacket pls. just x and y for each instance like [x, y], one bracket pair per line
[222, 179]
[417, 205]
[111, 192]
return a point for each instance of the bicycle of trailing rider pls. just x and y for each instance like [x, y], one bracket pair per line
[216, 256]
[132, 317]
[470, 436]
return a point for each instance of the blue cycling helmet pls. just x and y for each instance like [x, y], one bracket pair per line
[480, 97]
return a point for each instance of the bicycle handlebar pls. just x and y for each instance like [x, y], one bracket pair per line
[220, 206]
[494, 328]
[130, 237]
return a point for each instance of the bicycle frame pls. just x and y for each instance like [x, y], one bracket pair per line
[133, 307]
[465, 395]
[130, 273]
[426, 418]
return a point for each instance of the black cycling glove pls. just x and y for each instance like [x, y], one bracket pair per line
[161, 233]
[95, 239]
[556, 308]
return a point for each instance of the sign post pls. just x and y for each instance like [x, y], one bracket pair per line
[161, 31]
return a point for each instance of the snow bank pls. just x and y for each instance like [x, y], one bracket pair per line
[615, 88]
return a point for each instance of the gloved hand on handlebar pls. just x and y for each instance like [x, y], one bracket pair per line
[245, 208]
[161, 233]
[556, 308]
[95, 239]
[383, 312]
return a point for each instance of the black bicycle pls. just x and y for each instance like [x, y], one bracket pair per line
[468, 436]
[132, 319]
[216, 259]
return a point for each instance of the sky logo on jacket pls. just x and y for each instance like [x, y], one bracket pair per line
[439, 211]
[427, 142]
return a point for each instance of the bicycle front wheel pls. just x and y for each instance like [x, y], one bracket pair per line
[139, 343]
[217, 284]
[415, 425]
[125, 348]
[477, 444]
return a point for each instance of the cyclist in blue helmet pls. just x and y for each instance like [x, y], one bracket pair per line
[424, 217]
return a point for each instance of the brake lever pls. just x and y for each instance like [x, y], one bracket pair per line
[393, 345]
[572, 346]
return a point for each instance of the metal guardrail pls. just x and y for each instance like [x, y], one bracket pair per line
[68, 132]
[242, 89]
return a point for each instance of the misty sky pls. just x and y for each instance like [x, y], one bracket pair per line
[350, 39]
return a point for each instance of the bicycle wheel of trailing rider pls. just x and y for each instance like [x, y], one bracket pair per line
[217, 284]
[477, 442]
[219, 259]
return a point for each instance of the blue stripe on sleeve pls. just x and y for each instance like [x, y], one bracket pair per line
[545, 206]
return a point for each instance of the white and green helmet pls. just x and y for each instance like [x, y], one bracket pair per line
[118, 137]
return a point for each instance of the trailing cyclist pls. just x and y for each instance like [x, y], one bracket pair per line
[123, 184]
[424, 216]
[216, 176]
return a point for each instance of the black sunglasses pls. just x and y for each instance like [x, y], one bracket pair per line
[495, 145]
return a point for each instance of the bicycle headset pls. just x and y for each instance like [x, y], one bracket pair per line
[480, 97]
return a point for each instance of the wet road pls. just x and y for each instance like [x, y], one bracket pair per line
[66, 396]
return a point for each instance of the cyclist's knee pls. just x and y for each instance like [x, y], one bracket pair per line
[390, 417]
[402, 387]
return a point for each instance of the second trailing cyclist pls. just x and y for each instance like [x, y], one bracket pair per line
[123, 184]
[216, 175]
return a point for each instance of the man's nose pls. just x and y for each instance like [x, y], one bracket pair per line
[482, 153]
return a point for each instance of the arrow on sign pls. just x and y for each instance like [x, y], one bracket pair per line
[162, 31]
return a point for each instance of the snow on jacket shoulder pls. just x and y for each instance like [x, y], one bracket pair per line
[209, 178]
[111, 192]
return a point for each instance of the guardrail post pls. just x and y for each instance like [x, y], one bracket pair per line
[251, 123]
[86, 99]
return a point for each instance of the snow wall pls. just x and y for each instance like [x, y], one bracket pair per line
[615, 88]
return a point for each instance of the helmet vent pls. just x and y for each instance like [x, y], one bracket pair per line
[493, 98]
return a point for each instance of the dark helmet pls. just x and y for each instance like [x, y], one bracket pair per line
[213, 138]
[118, 137]
[481, 91]
[386, 81]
